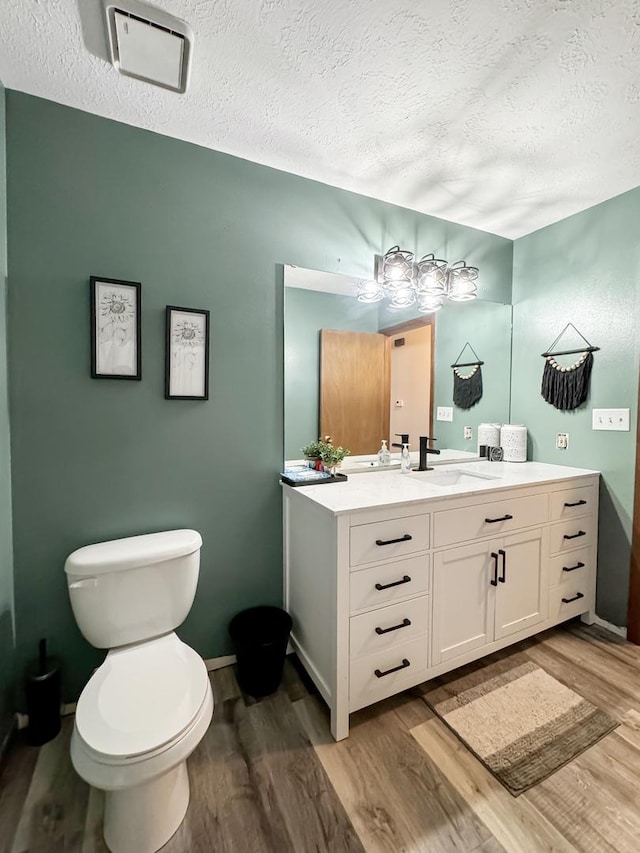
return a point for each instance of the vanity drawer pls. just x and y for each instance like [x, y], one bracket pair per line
[571, 535]
[495, 518]
[569, 600]
[386, 540]
[386, 627]
[382, 585]
[571, 569]
[570, 503]
[398, 668]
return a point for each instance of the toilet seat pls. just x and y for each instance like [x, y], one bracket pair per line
[125, 761]
[142, 699]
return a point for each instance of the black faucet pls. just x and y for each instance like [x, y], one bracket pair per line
[404, 438]
[424, 449]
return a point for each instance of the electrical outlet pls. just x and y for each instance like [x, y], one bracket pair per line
[562, 441]
[468, 433]
[610, 419]
[444, 413]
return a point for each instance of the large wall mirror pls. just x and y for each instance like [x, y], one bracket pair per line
[363, 372]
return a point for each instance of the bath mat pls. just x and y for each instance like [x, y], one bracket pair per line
[517, 719]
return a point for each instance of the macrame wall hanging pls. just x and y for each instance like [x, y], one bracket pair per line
[567, 387]
[467, 384]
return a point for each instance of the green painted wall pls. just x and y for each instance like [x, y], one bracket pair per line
[94, 459]
[6, 555]
[584, 270]
[305, 313]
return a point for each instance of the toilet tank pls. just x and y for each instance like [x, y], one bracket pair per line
[134, 589]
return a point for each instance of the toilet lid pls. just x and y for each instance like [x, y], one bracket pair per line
[142, 697]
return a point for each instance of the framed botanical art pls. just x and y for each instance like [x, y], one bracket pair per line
[187, 354]
[115, 328]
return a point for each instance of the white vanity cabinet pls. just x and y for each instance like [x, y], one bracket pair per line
[399, 583]
[487, 591]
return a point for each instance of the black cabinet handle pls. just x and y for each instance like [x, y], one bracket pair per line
[379, 674]
[494, 579]
[576, 503]
[572, 568]
[575, 598]
[405, 579]
[404, 624]
[405, 538]
[574, 535]
[506, 517]
[503, 576]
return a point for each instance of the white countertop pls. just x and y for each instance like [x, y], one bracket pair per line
[389, 488]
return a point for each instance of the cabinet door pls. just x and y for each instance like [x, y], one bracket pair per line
[463, 608]
[522, 593]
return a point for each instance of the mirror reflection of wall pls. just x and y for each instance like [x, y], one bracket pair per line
[487, 327]
[348, 375]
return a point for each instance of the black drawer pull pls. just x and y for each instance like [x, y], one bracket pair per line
[575, 598]
[506, 517]
[576, 503]
[503, 576]
[494, 579]
[404, 624]
[574, 535]
[573, 568]
[405, 579]
[379, 674]
[405, 538]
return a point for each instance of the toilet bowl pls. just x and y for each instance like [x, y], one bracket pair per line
[145, 710]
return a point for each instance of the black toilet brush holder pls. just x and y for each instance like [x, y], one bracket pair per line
[42, 689]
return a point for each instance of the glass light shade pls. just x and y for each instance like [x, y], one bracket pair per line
[462, 285]
[369, 291]
[431, 275]
[397, 269]
[402, 297]
[429, 303]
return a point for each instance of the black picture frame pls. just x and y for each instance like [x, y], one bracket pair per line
[126, 297]
[192, 351]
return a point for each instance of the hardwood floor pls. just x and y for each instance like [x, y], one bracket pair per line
[268, 778]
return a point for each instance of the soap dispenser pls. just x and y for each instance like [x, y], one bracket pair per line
[405, 460]
[384, 457]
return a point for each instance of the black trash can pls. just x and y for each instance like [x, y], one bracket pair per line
[260, 636]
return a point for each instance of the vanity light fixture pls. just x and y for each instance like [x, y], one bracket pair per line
[429, 281]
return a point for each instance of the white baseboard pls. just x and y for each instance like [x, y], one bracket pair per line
[609, 626]
[229, 660]
[22, 720]
[219, 663]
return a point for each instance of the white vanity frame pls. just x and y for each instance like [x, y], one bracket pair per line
[456, 602]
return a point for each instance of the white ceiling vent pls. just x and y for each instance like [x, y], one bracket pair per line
[149, 44]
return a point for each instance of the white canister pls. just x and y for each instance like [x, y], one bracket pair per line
[513, 440]
[488, 434]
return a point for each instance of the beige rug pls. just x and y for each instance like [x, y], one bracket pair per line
[518, 720]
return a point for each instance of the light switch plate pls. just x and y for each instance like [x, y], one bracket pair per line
[444, 413]
[610, 419]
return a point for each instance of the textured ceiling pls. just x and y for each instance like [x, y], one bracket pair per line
[502, 114]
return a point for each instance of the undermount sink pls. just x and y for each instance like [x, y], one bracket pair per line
[456, 477]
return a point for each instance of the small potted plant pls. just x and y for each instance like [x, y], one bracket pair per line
[332, 457]
[313, 451]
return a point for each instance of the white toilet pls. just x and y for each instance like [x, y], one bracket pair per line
[147, 707]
